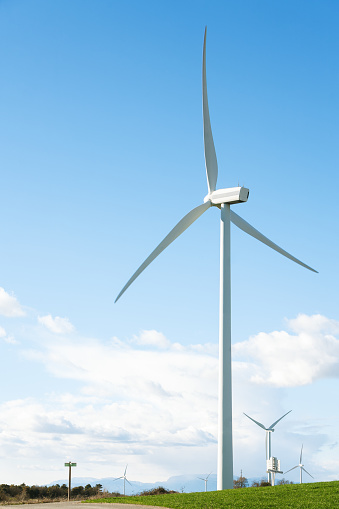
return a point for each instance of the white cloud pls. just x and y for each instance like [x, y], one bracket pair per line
[10, 340]
[142, 397]
[132, 404]
[7, 339]
[151, 338]
[57, 325]
[156, 407]
[282, 359]
[9, 306]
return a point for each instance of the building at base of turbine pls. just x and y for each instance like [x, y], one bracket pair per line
[273, 468]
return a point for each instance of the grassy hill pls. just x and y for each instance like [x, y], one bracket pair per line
[294, 496]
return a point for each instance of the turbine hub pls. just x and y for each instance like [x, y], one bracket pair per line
[230, 195]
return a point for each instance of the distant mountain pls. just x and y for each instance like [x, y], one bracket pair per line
[181, 483]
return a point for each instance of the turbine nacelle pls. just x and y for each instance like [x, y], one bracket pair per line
[230, 195]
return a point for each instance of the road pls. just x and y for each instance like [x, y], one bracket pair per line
[71, 504]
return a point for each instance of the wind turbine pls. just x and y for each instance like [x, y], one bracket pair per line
[301, 466]
[202, 479]
[124, 478]
[269, 432]
[223, 199]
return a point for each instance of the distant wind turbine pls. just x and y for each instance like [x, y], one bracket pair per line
[124, 478]
[223, 199]
[301, 466]
[202, 479]
[269, 431]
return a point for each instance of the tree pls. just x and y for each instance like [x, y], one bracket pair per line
[284, 481]
[33, 491]
[241, 482]
[77, 491]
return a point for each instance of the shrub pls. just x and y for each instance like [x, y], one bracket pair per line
[157, 491]
[260, 484]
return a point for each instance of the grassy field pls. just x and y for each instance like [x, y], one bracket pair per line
[294, 496]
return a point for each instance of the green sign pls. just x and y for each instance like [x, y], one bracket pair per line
[70, 464]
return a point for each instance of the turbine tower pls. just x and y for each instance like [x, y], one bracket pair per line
[269, 432]
[124, 478]
[301, 466]
[202, 479]
[223, 199]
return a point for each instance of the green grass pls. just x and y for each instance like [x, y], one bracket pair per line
[292, 496]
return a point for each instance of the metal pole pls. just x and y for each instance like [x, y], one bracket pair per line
[69, 481]
[269, 477]
[225, 449]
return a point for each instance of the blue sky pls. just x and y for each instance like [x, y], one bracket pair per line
[101, 155]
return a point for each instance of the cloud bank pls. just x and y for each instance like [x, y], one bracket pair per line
[149, 402]
[288, 359]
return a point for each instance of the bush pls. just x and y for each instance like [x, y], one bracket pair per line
[260, 484]
[157, 491]
[284, 481]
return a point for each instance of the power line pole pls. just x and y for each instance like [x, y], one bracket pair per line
[70, 465]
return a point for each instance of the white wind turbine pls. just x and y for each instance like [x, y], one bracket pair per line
[269, 432]
[205, 480]
[124, 478]
[301, 466]
[221, 198]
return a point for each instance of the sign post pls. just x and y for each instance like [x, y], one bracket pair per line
[70, 465]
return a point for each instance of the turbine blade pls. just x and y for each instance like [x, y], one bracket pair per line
[128, 482]
[247, 228]
[301, 453]
[259, 423]
[125, 470]
[185, 222]
[117, 478]
[290, 469]
[276, 422]
[304, 469]
[210, 156]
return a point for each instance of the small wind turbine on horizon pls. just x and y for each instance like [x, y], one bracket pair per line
[202, 479]
[269, 431]
[124, 478]
[301, 466]
[222, 199]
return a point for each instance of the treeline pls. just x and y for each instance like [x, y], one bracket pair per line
[242, 482]
[21, 493]
[24, 493]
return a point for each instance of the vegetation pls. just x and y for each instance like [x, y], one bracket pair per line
[260, 484]
[287, 496]
[11, 493]
[241, 482]
[284, 481]
[156, 491]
